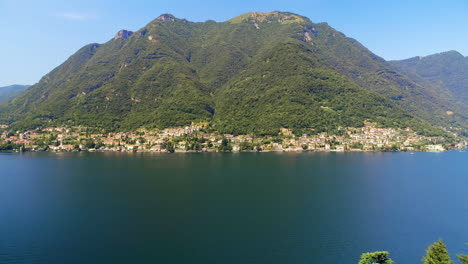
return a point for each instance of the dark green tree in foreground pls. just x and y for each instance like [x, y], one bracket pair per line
[463, 258]
[437, 254]
[375, 257]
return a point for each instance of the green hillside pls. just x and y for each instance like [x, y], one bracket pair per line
[7, 93]
[301, 93]
[254, 73]
[448, 71]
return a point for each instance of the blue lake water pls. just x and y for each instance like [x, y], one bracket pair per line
[230, 208]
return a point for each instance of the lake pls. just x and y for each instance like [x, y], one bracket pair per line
[230, 208]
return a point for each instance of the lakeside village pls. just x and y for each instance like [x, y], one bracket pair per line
[196, 138]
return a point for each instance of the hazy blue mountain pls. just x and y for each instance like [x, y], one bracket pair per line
[7, 93]
[447, 70]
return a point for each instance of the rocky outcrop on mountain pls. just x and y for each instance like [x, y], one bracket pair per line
[166, 17]
[123, 34]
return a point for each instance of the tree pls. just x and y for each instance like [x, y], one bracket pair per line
[89, 144]
[437, 254]
[169, 146]
[356, 145]
[225, 145]
[99, 145]
[463, 258]
[375, 257]
[245, 146]
[6, 147]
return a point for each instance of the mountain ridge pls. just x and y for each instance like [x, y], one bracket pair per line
[8, 93]
[173, 72]
[447, 71]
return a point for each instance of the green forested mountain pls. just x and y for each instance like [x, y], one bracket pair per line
[254, 73]
[447, 71]
[7, 93]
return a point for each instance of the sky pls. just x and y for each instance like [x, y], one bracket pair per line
[37, 36]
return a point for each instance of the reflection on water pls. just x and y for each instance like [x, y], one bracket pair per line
[229, 208]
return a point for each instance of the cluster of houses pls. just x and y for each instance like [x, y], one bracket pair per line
[367, 138]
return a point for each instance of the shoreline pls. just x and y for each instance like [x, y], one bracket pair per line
[216, 151]
[194, 139]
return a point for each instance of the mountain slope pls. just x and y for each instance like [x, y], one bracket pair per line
[447, 70]
[373, 73]
[254, 73]
[302, 93]
[7, 93]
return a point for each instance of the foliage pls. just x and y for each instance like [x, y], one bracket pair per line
[8, 146]
[169, 146]
[8, 93]
[99, 145]
[375, 257]
[356, 145]
[193, 142]
[253, 74]
[89, 144]
[446, 73]
[246, 146]
[448, 69]
[437, 254]
[225, 145]
[463, 258]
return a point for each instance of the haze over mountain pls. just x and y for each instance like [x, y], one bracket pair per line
[7, 93]
[448, 71]
[252, 74]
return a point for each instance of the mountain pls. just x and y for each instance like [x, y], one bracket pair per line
[7, 93]
[252, 74]
[448, 71]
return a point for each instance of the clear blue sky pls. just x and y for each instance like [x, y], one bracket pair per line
[36, 36]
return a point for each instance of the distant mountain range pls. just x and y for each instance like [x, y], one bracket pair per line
[254, 74]
[7, 93]
[447, 72]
